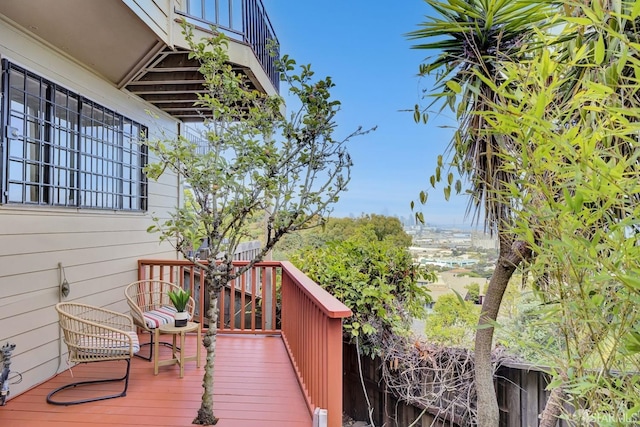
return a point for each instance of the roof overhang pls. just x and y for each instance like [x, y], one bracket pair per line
[109, 38]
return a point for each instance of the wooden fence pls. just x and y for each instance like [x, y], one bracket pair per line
[387, 410]
[520, 390]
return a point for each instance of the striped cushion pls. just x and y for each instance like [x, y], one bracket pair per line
[161, 316]
[101, 344]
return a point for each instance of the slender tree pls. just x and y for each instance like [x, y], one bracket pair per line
[253, 161]
[471, 39]
[575, 119]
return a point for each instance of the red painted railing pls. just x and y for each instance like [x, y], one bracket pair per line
[247, 304]
[312, 332]
[275, 298]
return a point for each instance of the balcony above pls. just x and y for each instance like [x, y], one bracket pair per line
[138, 45]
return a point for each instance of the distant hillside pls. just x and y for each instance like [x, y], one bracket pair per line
[455, 279]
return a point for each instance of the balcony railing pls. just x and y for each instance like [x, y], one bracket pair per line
[241, 20]
[275, 298]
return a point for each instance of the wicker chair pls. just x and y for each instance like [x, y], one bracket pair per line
[94, 334]
[151, 307]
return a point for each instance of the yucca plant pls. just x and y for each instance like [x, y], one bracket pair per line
[471, 40]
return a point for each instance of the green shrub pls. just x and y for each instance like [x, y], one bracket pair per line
[375, 279]
[452, 322]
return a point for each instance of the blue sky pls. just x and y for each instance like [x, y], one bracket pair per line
[361, 45]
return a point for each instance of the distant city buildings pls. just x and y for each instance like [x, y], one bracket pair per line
[430, 237]
[462, 257]
[448, 262]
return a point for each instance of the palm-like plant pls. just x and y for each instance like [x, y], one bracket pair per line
[472, 38]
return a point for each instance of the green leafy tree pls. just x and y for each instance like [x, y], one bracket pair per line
[376, 279]
[379, 227]
[532, 333]
[388, 228]
[256, 163]
[473, 293]
[472, 39]
[452, 322]
[575, 117]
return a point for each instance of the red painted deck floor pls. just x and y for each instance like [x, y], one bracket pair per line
[254, 385]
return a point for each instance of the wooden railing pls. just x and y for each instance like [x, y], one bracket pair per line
[312, 332]
[275, 298]
[246, 305]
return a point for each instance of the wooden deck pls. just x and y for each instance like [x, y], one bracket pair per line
[254, 386]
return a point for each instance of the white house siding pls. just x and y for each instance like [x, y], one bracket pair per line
[156, 14]
[98, 249]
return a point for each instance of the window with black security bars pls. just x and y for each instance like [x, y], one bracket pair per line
[61, 149]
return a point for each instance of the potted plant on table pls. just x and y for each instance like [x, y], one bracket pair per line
[180, 299]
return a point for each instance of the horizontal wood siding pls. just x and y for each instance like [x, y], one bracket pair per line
[99, 249]
[156, 14]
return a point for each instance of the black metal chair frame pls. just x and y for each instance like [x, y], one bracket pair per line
[150, 343]
[94, 334]
[123, 393]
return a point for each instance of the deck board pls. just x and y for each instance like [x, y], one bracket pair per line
[254, 386]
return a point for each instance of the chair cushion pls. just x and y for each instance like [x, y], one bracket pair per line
[103, 344]
[158, 317]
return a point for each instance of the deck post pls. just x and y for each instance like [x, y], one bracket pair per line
[334, 372]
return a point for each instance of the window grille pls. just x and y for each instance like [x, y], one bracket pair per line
[62, 149]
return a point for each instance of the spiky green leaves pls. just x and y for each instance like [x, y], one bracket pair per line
[470, 40]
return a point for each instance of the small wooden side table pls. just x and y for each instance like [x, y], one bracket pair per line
[169, 328]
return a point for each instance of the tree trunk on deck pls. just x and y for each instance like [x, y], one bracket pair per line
[205, 413]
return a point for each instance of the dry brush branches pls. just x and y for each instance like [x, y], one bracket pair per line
[439, 379]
